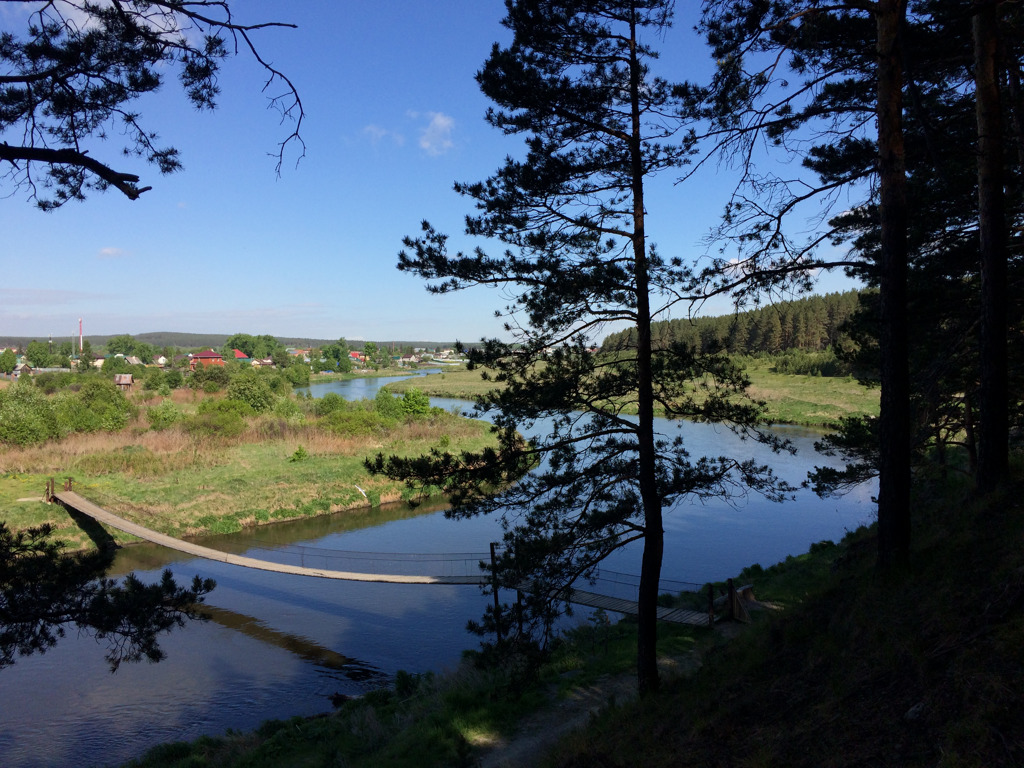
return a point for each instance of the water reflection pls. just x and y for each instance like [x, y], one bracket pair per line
[282, 645]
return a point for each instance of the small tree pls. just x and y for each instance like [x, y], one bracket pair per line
[252, 389]
[8, 360]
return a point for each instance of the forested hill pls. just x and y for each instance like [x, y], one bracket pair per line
[812, 323]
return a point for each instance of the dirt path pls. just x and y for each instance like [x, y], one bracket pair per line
[539, 732]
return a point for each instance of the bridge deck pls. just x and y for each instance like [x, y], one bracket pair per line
[73, 501]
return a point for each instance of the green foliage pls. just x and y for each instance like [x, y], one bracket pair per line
[415, 403]
[43, 590]
[251, 388]
[218, 375]
[329, 403]
[224, 424]
[107, 403]
[7, 361]
[26, 416]
[357, 421]
[50, 382]
[255, 347]
[803, 363]
[288, 408]
[173, 378]
[163, 415]
[227, 405]
[297, 374]
[300, 454]
[387, 405]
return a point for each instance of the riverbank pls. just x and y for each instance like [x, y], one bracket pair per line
[815, 401]
[183, 484]
[840, 667]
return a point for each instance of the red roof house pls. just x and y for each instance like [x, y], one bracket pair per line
[205, 358]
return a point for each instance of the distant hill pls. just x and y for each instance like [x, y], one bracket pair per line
[161, 339]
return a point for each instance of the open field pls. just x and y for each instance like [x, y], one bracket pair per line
[180, 484]
[790, 399]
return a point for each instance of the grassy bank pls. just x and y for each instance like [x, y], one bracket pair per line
[840, 666]
[790, 399]
[181, 482]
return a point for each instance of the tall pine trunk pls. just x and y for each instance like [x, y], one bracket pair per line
[894, 418]
[654, 534]
[993, 443]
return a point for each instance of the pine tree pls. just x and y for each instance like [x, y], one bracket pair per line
[577, 83]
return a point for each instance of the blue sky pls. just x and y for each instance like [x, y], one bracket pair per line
[393, 118]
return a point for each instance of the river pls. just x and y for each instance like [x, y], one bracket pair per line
[281, 645]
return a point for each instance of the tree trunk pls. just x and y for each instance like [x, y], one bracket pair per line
[894, 418]
[654, 534]
[993, 443]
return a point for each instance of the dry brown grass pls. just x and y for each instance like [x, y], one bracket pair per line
[59, 456]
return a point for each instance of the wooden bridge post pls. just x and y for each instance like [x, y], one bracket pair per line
[497, 601]
[711, 606]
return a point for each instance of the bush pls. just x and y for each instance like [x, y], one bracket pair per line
[357, 422]
[800, 362]
[216, 424]
[173, 379]
[154, 380]
[252, 389]
[235, 407]
[415, 403]
[51, 382]
[163, 416]
[287, 408]
[26, 416]
[217, 374]
[109, 407]
[330, 403]
[387, 405]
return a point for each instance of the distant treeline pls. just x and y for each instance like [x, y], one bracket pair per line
[189, 341]
[811, 324]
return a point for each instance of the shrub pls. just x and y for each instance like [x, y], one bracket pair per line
[357, 422]
[97, 405]
[804, 363]
[154, 380]
[287, 408]
[415, 403]
[203, 374]
[173, 379]
[387, 405]
[51, 382]
[330, 403]
[235, 407]
[216, 424]
[252, 389]
[163, 416]
[26, 416]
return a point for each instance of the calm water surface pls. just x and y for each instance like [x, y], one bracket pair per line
[281, 645]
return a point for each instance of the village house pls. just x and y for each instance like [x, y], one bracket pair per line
[205, 358]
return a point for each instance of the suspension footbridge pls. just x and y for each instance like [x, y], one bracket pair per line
[469, 561]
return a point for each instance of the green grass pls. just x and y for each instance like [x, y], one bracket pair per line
[180, 484]
[806, 400]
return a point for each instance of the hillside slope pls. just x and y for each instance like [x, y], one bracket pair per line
[918, 668]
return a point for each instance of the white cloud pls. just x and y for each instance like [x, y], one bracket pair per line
[378, 134]
[111, 253]
[436, 137]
